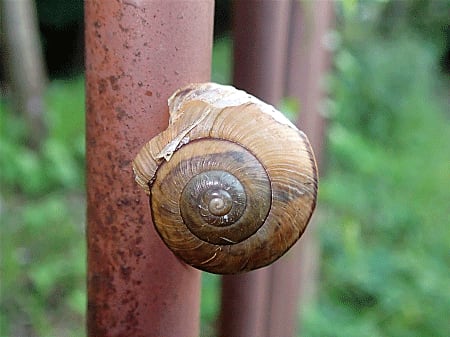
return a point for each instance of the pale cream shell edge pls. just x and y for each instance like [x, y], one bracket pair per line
[218, 96]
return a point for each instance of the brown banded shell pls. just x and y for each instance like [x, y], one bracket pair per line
[232, 182]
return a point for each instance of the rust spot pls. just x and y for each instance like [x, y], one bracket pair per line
[113, 80]
[123, 202]
[138, 252]
[110, 215]
[124, 163]
[121, 114]
[125, 272]
[102, 86]
[149, 93]
[123, 29]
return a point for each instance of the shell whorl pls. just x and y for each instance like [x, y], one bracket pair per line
[191, 179]
[232, 182]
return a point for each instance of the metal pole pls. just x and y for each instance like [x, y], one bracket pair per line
[260, 42]
[307, 63]
[137, 54]
[260, 34]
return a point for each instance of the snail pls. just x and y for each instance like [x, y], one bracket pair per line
[232, 182]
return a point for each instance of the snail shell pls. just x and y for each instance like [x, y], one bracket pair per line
[232, 182]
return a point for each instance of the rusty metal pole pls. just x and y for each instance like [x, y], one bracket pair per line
[260, 34]
[137, 54]
[308, 60]
[260, 43]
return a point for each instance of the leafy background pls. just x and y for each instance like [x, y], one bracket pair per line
[384, 196]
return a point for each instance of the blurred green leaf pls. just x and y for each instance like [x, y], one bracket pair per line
[290, 107]
[385, 235]
[222, 61]
[210, 303]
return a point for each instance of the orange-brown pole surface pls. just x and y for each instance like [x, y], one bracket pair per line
[137, 53]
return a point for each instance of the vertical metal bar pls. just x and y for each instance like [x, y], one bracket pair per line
[260, 42]
[308, 61]
[260, 33]
[137, 54]
[244, 304]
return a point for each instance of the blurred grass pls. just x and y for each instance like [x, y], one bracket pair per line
[42, 211]
[385, 237]
[384, 233]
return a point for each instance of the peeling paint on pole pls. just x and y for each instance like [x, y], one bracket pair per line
[137, 54]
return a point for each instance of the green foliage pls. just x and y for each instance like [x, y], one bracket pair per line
[60, 161]
[385, 234]
[210, 303]
[42, 213]
[384, 198]
[290, 106]
[59, 13]
[222, 60]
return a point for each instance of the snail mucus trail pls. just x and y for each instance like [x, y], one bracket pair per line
[232, 182]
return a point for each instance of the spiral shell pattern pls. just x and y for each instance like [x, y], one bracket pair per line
[232, 182]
